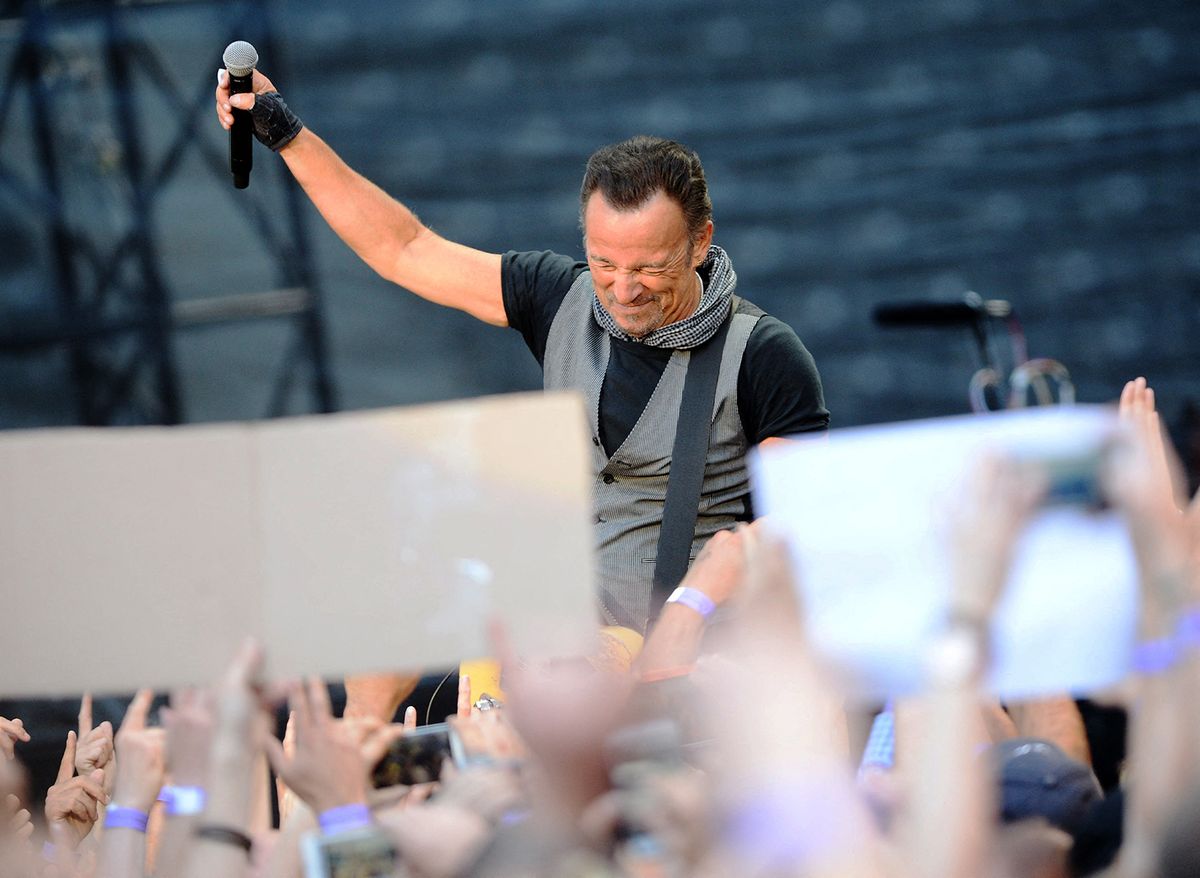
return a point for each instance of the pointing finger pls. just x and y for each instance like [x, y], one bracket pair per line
[94, 786]
[135, 714]
[464, 696]
[66, 768]
[85, 715]
[318, 698]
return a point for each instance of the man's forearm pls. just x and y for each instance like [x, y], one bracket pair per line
[673, 643]
[375, 226]
[391, 239]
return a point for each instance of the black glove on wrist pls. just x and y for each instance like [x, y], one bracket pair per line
[275, 125]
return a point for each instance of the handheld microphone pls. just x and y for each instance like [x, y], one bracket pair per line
[970, 310]
[240, 58]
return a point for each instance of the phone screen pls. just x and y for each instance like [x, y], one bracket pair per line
[367, 853]
[414, 758]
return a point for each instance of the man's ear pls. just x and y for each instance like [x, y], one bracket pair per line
[701, 244]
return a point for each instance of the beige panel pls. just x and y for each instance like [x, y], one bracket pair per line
[347, 543]
[418, 525]
[126, 557]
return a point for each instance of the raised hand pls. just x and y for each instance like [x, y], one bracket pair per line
[11, 731]
[331, 760]
[1137, 409]
[95, 747]
[1164, 539]
[72, 804]
[16, 819]
[226, 102]
[141, 757]
[1000, 497]
[188, 723]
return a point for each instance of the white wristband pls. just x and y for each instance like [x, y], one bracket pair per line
[694, 598]
[182, 801]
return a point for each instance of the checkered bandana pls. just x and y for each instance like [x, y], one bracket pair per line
[702, 325]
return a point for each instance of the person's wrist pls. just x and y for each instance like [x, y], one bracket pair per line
[344, 818]
[275, 125]
[334, 799]
[119, 816]
[231, 755]
[694, 599]
[958, 655]
[140, 796]
[188, 777]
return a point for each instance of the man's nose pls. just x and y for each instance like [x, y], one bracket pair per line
[627, 287]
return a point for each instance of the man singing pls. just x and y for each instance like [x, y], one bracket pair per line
[624, 328]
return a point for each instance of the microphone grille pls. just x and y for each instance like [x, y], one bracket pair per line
[240, 58]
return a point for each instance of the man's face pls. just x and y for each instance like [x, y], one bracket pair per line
[643, 262]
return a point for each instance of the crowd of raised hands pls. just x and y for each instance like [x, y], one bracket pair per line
[728, 751]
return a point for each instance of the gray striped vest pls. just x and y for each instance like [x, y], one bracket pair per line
[630, 487]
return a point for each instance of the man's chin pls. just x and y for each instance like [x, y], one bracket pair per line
[636, 330]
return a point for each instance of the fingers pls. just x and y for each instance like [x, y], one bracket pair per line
[1125, 405]
[83, 806]
[419, 793]
[85, 714]
[182, 699]
[259, 83]
[21, 821]
[301, 713]
[139, 708]
[243, 672]
[13, 729]
[464, 697]
[378, 742]
[224, 116]
[93, 785]
[243, 101]
[503, 650]
[410, 712]
[66, 768]
[289, 735]
[275, 755]
[318, 700]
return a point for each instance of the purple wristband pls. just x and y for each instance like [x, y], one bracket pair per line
[1155, 656]
[126, 818]
[694, 598]
[345, 818]
[1187, 629]
[48, 852]
[786, 826]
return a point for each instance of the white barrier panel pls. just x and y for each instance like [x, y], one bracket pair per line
[346, 543]
[866, 516]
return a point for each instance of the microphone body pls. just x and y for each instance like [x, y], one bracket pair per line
[968, 311]
[240, 58]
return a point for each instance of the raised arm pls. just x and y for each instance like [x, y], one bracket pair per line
[383, 232]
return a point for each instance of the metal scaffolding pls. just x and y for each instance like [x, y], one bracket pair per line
[111, 305]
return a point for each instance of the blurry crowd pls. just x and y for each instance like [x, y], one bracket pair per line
[719, 750]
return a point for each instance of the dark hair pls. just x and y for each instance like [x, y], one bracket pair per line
[629, 173]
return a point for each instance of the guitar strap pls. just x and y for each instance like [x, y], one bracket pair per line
[692, 432]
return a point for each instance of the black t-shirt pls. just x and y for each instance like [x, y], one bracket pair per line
[778, 388]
